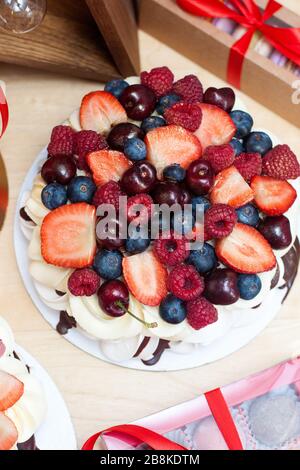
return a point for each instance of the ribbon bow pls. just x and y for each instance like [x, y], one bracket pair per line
[247, 14]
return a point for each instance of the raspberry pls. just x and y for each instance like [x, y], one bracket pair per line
[185, 282]
[281, 163]
[249, 165]
[86, 142]
[219, 220]
[141, 216]
[189, 89]
[170, 250]
[219, 156]
[200, 313]
[61, 142]
[160, 80]
[109, 193]
[187, 115]
[84, 282]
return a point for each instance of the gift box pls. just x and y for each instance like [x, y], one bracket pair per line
[198, 38]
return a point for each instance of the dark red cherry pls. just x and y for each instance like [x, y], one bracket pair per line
[222, 97]
[121, 132]
[109, 294]
[200, 177]
[277, 231]
[140, 178]
[221, 287]
[60, 169]
[139, 102]
[170, 193]
[112, 235]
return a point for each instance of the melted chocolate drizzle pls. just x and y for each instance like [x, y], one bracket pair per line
[28, 445]
[25, 216]
[66, 322]
[291, 263]
[162, 346]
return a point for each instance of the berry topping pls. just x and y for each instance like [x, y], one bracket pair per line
[243, 122]
[139, 208]
[135, 149]
[281, 163]
[116, 87]
[277, 231]
[107, 165]
[86, 142]
[160, 80]
[200, 204]
[246, 251]
[221, 287]
[217, 127]
[249, 286]
[220, 220]
[68, 236]
[237, 146]
[8, 433]
[81, 189]
[54, 195]
[231, 188]
[152, 122]
[169, 192]
[189, 89]
[223, 97]
[187, 115]
[60, 169]
[146, 278]
[113, 297]
[121, 133]
[273, 196]
[172, 310]
[249, 165]
[83, 282]
[174, 173]
[137, 245]
[185, 282]
[109, 193]
[108, 264]
[258, 142]
[61, 142]
[166, 102]
[140, 178]
[62, 132]
[204, 260]
[171, 250]
[200, 176]
[200, 313]
[111, 233]
[100, 111]
[248, 215]
[139, 102]
[11, 390]
[219, 156]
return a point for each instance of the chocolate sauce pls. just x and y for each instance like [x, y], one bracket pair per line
[25, 216]
[142, 346]
[66, 322]
[162, 346]
[60, 293]
[276, 277]
[28, 445]
[291, 263]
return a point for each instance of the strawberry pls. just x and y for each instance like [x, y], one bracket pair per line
[216, 128]
[231, 188]
[107, 165]
[172, 144]
[246, 251]
[11, 390]
[99, 111]
[272, 196]
[8, 433]
[68, 236]
[145, 277]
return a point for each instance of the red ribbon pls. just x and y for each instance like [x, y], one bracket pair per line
[285, 40]
[3, 112]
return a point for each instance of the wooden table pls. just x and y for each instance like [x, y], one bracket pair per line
[98, 394]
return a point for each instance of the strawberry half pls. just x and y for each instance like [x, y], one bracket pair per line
[107, 165]
[8, 433]
[11, 390]
[172, 144]
[272, 196]
[246, 251]
[99, 111]
[146, 278]
[216, 128]
[68, 236]
[231, 188]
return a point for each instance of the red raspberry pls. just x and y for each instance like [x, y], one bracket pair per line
[171, 250]
[160, 80]
[281, 163]
[109, 193]
[249, 165]
[189, 89]
[84, 282]
[185, 282]
[86, 142]
[219, 156]
[61, 143]
[141, 216]
[200, 313]
[219, 220]
[187, 115]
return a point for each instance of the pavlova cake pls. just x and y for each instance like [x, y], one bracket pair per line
[153, 141]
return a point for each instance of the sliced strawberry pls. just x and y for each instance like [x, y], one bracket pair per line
[231, 188]
[216, 128]
[272, 196]
[68, 236]
[246, 251]
[172, 144]
[8, 433]
[146, 278]
[11, 390]
[100, 111]
[107, 165]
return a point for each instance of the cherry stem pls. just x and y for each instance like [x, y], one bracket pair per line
[119, 304]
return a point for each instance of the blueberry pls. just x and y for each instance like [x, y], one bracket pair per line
[248, 215]
[81, 189]
[183, 223]
[258, 142]
[174, 173]
[108, 264]
[116, 87]
[152, 122]
[172, 310]
[137, 245]
[201, 202]
[54, 195]
[203, 260]
[166, 102]
[237, 146]
[135, 149]
[249, 286]
[243, 122]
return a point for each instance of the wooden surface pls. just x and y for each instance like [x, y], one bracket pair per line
[98, 394]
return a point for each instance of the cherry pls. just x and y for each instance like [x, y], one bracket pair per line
[139, 102]
[221, 287]
[277, 231]
[111, 292]
[223, 97]
[200, 176]
[116, 237]
[60, 169]
[170, 193]
[140, 178]
[121, 132]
